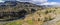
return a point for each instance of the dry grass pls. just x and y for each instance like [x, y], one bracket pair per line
[39, 17]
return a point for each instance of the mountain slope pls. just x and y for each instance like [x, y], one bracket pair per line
[15, 10]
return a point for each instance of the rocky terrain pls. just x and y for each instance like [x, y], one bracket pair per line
[14, 10]
[25, 13]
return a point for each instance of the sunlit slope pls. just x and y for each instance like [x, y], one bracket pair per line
[40, 17]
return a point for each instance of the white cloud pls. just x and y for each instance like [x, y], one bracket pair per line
[24, 0]
[50, 3]
[34, 1]
[1, 1]
[39, 0]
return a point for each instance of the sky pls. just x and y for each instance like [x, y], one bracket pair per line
[53, 0]
[38, 2]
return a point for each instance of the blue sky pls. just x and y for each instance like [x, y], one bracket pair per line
[53, 0]
[39, 2]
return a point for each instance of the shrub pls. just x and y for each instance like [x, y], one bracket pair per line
[14, 23]
[30, 22]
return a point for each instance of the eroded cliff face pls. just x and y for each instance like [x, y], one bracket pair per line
[15, 10]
